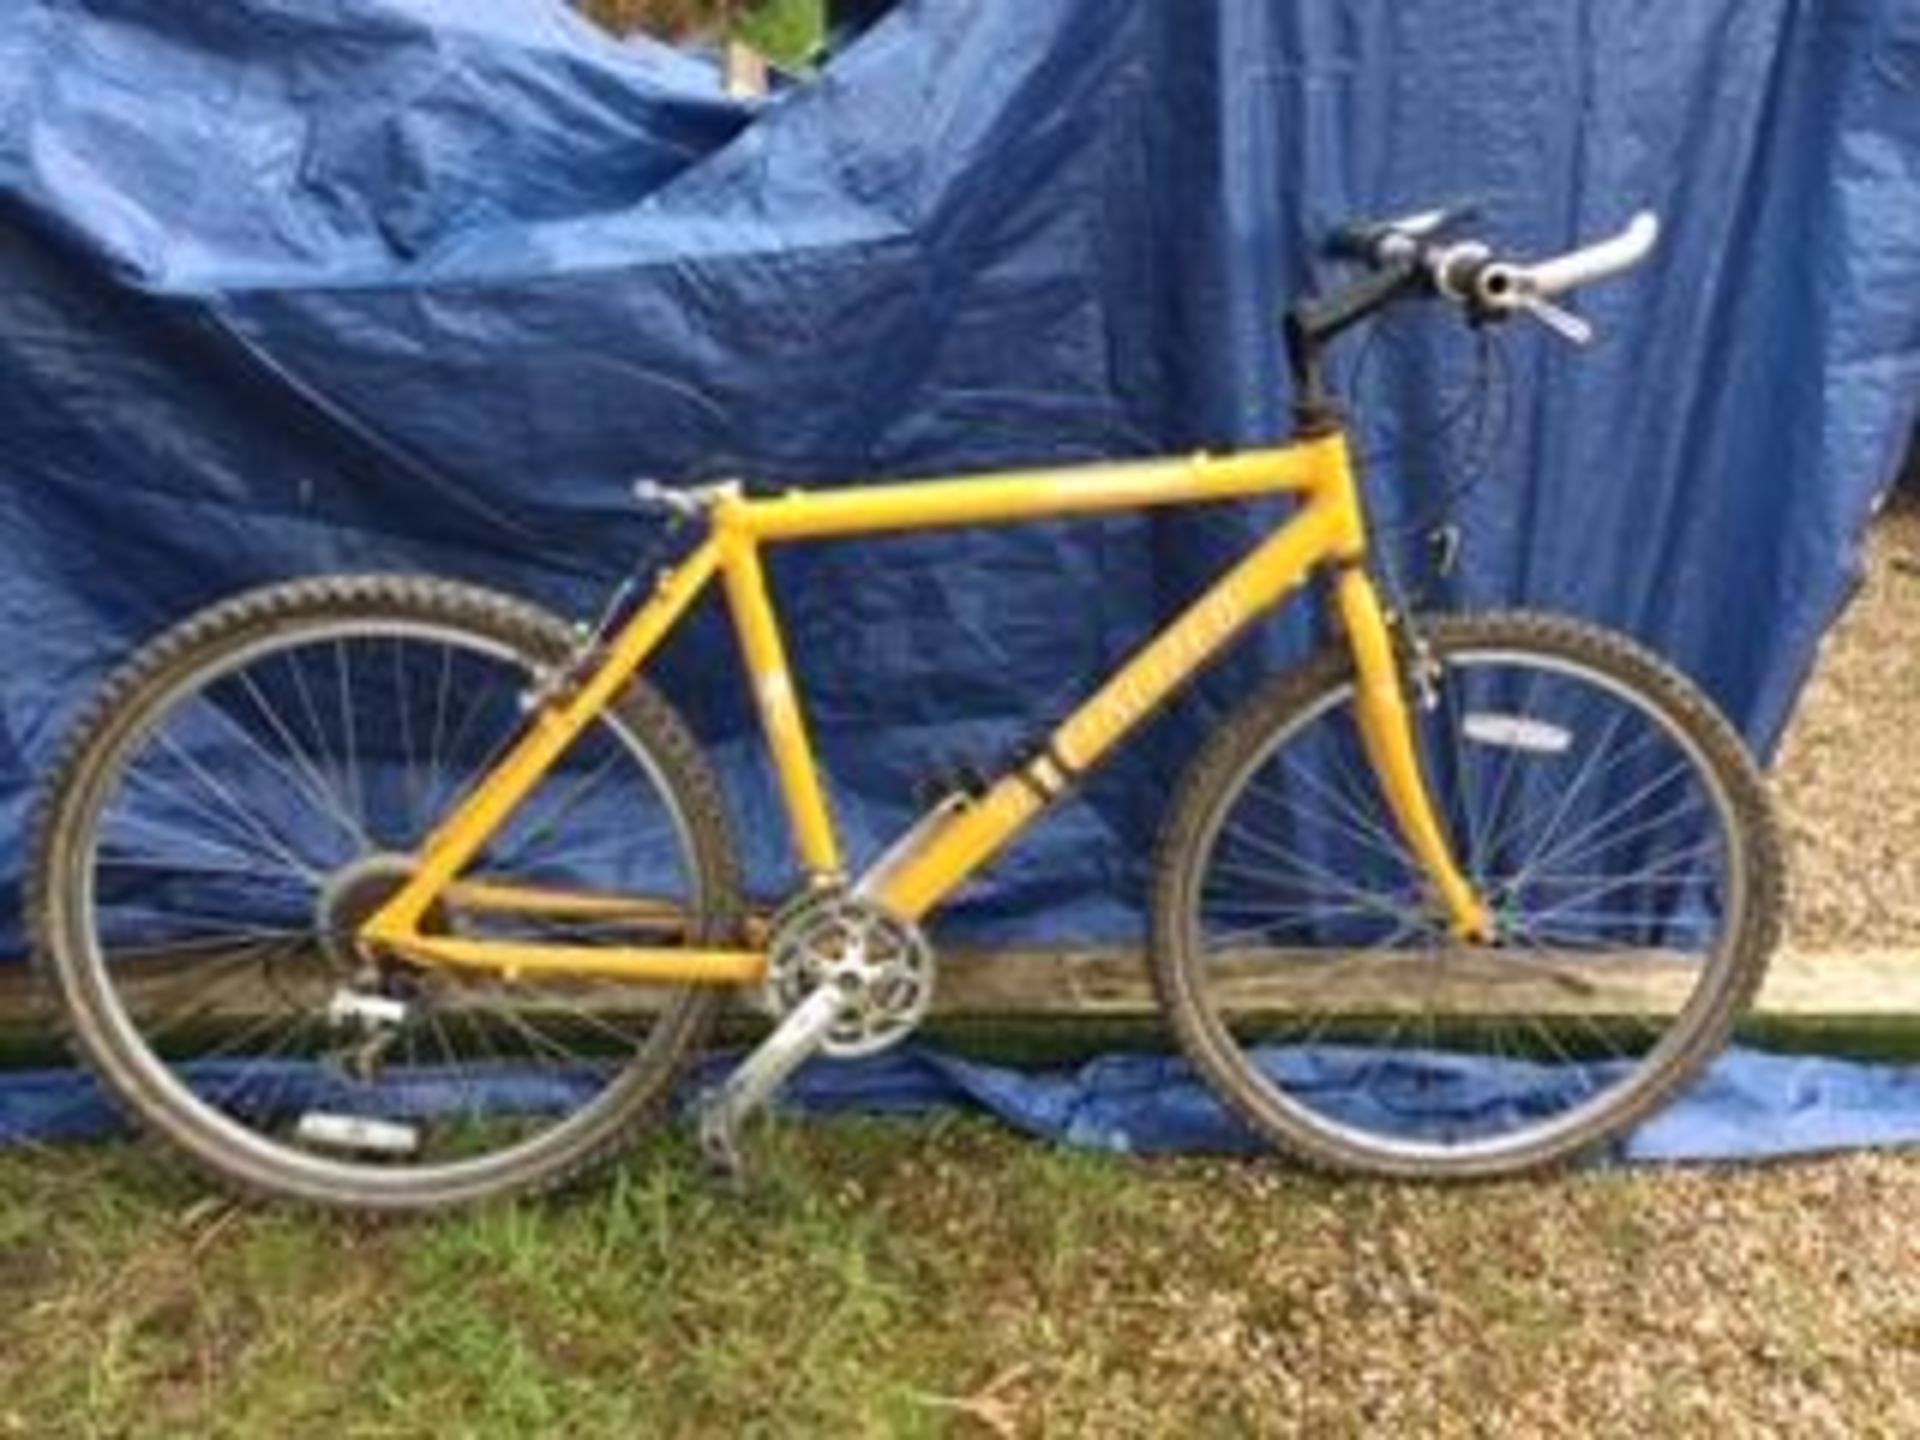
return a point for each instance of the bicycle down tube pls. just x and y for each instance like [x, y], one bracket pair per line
[1328, 528]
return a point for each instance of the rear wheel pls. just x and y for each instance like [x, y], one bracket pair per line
[1600, 805]
[255, 783]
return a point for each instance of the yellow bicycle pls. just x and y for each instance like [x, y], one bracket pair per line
[393, 893]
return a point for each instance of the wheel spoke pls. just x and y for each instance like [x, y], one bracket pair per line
[304, 774]
[234, 811]
[356, 787]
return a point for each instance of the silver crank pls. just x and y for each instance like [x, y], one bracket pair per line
[846, 978]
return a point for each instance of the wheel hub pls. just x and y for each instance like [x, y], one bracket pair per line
[352, 895]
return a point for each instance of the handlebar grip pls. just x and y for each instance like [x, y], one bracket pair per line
[1354, 242]
[1556, 276]
[1388, 242]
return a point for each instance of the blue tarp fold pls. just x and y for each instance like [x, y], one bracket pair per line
[1749, 1106]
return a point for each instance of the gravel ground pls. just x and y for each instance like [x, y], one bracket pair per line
[952, 1279]
[1765, 1301]
[1849, 777]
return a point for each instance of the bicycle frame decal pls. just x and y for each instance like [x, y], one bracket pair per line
[1328, 527]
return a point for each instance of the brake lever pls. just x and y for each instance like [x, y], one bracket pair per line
[1498, 290]
[1564, 323]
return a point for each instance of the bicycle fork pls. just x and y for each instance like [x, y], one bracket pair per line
[1386, 733]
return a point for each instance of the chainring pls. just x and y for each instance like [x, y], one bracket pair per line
[881, 963]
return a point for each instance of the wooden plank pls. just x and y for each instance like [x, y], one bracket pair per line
[1112, 983]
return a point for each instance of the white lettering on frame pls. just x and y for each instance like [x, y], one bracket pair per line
[1160, 667]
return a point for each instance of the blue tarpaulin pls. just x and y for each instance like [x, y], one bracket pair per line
[421, 285]
[1749, 1106]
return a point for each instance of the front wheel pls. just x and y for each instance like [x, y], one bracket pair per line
[1604, 810]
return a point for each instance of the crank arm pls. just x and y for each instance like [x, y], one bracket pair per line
[794, 1041]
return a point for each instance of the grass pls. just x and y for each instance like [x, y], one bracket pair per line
[788, 32]
[891, 1279]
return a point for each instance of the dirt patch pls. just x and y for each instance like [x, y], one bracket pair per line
[1848, 777]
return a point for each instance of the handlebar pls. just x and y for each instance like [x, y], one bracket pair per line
[1490, 288]
[1413, 255]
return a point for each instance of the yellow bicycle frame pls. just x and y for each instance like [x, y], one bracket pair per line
[1328, 528]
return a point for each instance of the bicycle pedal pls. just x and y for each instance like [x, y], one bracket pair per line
[722, 1157]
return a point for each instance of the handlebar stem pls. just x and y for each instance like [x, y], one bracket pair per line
[1311, 323]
